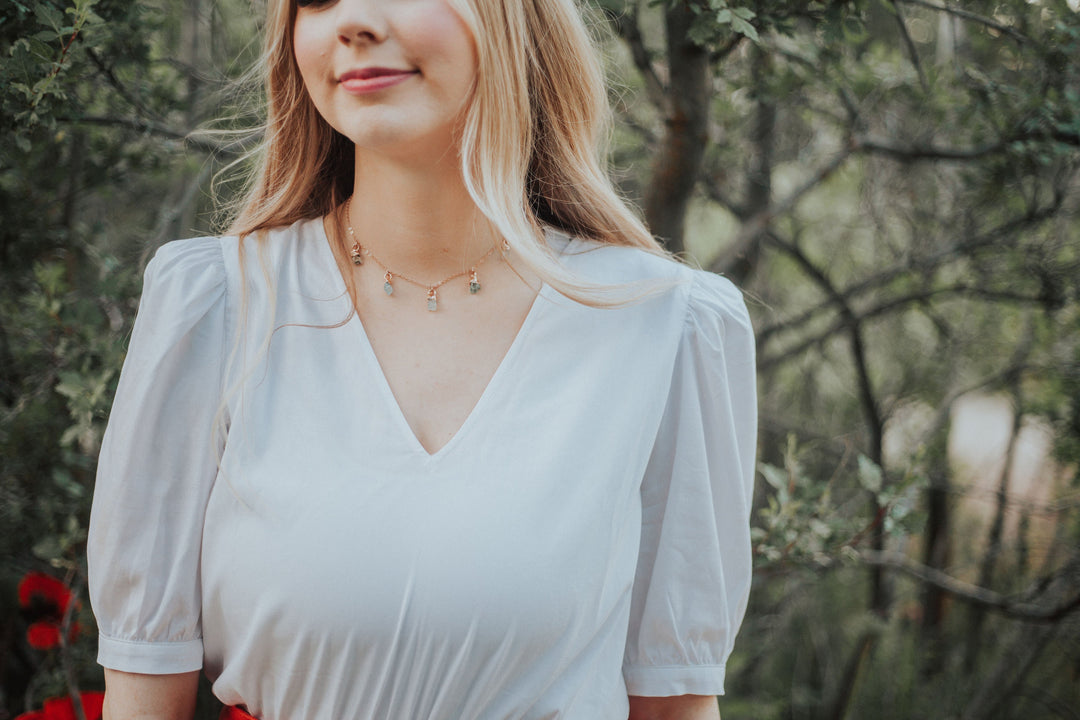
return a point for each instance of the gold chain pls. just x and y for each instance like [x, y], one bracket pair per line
[357, 252]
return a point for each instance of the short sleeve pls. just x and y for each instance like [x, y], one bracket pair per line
[157, 465]
[694, 564]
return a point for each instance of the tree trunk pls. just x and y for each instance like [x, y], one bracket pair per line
[73, 254]
[682, 150]
[936, 553]
[760, 174]
[994, 536]
[181, 209]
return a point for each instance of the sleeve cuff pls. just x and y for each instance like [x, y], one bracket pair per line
[672, 680]
[150, 658]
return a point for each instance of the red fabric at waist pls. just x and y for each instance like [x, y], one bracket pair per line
[233, 712]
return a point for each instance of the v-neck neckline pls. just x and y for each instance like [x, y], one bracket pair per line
[473, 417]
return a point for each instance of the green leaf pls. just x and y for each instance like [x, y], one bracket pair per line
[744, 28]
[48, 15]
[24, 89]
[70, 436]
[39, 49]
[71, 384]
[48, 548]
[853, 28]
[700, 34]
[869, 474]
[777, 477]
[888, 6]
[51, 277]
[65, 482]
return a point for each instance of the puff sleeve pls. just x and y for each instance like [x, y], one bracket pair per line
[157, 465]
[693, 573]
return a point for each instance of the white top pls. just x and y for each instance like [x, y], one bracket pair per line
[584, 536]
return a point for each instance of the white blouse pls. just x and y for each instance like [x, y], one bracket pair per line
[263, 510]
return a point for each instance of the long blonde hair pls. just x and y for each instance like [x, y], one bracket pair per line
[531, 145]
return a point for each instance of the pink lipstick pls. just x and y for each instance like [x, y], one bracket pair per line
[372, 79]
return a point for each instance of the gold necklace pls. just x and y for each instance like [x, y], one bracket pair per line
[357, 252]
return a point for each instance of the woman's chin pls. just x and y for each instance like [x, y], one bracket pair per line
[406, 146]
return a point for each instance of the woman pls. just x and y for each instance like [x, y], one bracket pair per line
[438, 431]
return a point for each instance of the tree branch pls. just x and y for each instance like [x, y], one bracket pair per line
[721, 53]
[627, 27]
[232, 147]
[973, 17]
[971, 594]
[917, 265]
[913, 53]
[626, 117]
[853, 324]
[754, 225]
[1050, 702]
[895, 304]
[717, 195]
[871, 408]
[110, 77]
[911, 153]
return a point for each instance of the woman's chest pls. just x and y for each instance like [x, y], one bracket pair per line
[332, 533]
[437, 365]
[326, 497]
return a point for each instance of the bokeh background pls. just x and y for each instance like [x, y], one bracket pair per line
[894, 183]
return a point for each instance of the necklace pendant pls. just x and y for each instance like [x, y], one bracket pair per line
[474, 282]
[357, 254]
[387, 287]
[432, 300]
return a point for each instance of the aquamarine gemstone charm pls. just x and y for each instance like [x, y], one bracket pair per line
[387, 287]
[432, 300]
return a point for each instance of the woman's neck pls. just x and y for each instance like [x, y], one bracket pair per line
[417, 219]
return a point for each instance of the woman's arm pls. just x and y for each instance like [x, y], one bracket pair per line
[131, 696]
[681, 707]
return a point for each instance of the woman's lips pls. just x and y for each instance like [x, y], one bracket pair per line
[368, 80]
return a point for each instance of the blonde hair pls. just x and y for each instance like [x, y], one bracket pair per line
[531, 145]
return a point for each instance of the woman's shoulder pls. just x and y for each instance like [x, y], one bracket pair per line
[713, 295]
[185, 271]
[704, 293]
[195, 254]
[608, 263]
[225, 255]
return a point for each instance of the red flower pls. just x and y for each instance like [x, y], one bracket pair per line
[37, 586]
[64, 709]
[45, 600]
[43, 635]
